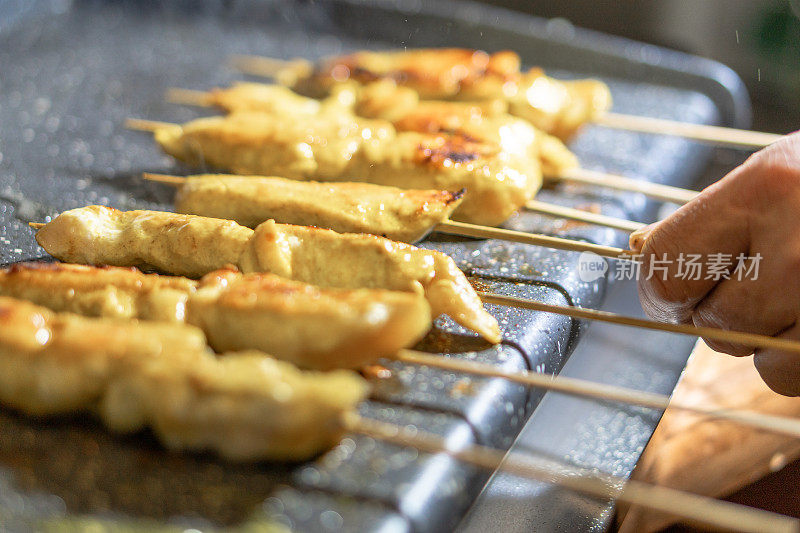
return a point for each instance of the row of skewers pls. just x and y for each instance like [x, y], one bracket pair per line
[316, 298]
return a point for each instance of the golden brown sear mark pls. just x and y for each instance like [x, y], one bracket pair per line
[449, 150]
[434, 69]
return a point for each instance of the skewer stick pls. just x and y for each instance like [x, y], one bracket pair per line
[139, 124]
[582, 216]
[167, 179]
[737, 337]
[600, 391]
[541, 207]
[463, 229]
[691, 507]
[269, 67]
[578, 175]
[485, 232]
[700, 132]
[665, 193]
[187, 97]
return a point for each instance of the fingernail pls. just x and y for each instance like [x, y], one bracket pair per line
[638, 238]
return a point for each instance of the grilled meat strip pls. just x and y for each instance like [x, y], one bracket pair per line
[397, 214]
[342, 147]
[99, 291]
[193, 246]
[486, 122]
[244, 406]
[309, 326]
[556, 107]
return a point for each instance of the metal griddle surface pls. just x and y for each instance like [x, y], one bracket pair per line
[71, 72]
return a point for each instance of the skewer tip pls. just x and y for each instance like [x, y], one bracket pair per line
[175, 181]
[139, 124]
[176, 95]
[37, 225]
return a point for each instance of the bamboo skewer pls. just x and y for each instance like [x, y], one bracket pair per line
[691, 507]
[177, 95]
[463, 229]
[582, 216]
[269, 67]
[600, 391]
[264, 66]
[665, 193]
[737, 337]
[151, 126]
[533, 205]
[699, 132]
[611, 181]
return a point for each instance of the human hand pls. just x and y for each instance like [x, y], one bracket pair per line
[752, 212]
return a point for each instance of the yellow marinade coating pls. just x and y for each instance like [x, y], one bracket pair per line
[327, 258]
[398, 214]
[243, 406]
[311, 255]
[179, 244]
[554, 106]
[486, 122]
[309, 326]
[342, 147]
[108, 292]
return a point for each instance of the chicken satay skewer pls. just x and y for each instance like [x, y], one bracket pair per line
[287, 73]
[485, 232]
[192, 399]
[601, 391]
[194, 196]
[100, 235]
[690, 507]
[563, 173]
[224, 305]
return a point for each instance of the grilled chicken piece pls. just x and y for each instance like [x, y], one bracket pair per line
[98, 292]
[244, 406]
[342, 147]
[101, 235]
[245, 96]
[306, 325]
[485, 122]
[153, 240]
[324, 257]
[557, 107]
[473, 121]
[398, 214]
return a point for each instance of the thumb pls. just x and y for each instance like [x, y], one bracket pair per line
[639, 237]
